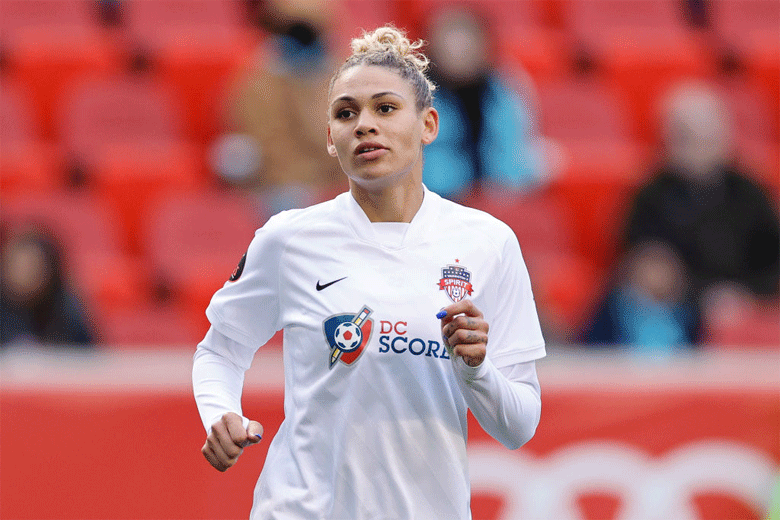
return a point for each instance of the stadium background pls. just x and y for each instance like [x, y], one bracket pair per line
[118, 164]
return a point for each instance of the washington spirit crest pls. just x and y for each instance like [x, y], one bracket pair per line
[348, 334]
[456, 282]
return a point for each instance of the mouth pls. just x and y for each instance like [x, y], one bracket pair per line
[368, 149]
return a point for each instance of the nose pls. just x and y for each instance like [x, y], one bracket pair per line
[366, 124]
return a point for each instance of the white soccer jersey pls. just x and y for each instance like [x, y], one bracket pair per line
[375, 423]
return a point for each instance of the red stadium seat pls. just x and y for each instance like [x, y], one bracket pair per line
[162, 22]
[200, 72]
[50, 43]
[565, 286]
[742, 322]
[601, 23]
[18, 15]
[148, 325]
[27, 164]
[196, 48]
[353, 16]
[195, 241]
[414, 14]
[595, 185]
[580, 108]
[84, 223]
[642, 46]
[749, 28]
[86, 228]
[120, 109]
[733, 20]
[132, 178]
[540, 222]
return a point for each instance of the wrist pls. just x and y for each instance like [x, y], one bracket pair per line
[469, 373]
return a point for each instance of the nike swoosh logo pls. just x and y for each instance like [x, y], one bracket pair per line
[325, 286]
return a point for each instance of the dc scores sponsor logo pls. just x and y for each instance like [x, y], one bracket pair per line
[348, 334]
[456, 282]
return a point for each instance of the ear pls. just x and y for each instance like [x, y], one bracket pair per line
[331, 146]
[431, 125]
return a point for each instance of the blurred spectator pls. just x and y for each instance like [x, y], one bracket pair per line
[486, 134]
[649, 306]
[722, 223]
[278, 111]
[718, 230]
[36, 304]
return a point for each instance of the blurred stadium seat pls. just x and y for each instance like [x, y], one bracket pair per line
[755, 127]
[48, 44]
[195, 48]
[27, 163]
[194, 242]
[149, 325]
[642, 46]
[352, 16]
[596, 182]
[163, 22]
[87, 229]
[736, 322]
[133, 177]
[120, 109]
[540, 222]
[735, 19]
[565, 286]
[583, 107]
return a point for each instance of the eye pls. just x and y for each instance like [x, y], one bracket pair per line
[344, 113]
[386, 108]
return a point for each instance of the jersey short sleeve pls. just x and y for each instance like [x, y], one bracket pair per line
[246, 308]
[515, 333]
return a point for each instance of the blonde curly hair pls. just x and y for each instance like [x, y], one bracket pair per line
[389, 47]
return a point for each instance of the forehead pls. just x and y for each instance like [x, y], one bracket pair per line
[363, 81]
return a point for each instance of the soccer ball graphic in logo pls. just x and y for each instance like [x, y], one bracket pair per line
[348, 336]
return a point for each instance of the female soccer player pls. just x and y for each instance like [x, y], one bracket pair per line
[384, 294]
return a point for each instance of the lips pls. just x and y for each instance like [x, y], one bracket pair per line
[368, 148]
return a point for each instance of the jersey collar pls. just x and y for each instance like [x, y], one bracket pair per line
[420, 228]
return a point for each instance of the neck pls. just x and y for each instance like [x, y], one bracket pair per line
[398, 203]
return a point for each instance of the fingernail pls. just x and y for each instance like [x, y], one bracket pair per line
[259, 437]
[441, 314]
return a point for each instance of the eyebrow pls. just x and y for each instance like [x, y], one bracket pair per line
[375, 96]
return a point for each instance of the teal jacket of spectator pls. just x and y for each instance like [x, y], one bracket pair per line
[505, 151]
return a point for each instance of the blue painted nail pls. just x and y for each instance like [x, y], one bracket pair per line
[441, 314]
[259, 437]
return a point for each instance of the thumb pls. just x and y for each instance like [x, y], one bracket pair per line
[254, 431]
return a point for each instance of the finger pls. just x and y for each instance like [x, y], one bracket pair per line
[219, 459]
[222, 443]
[466, 307]
[467, 323]
[211, 457]
[234, 425]
[254, 433]
[467, 337]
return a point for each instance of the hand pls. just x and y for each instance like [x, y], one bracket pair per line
[465, 330]
[227, 440]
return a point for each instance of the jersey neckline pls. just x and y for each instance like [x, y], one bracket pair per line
[419, 228]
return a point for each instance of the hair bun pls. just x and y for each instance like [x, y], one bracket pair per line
[391, 40]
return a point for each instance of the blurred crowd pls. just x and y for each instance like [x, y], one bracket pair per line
[633, 147]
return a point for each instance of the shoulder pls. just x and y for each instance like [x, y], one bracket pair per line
[741, 184]
[286, 225]
[291, 221]
[475, 225]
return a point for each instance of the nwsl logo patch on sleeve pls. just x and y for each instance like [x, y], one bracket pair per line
[456, 282]
[348, 334]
